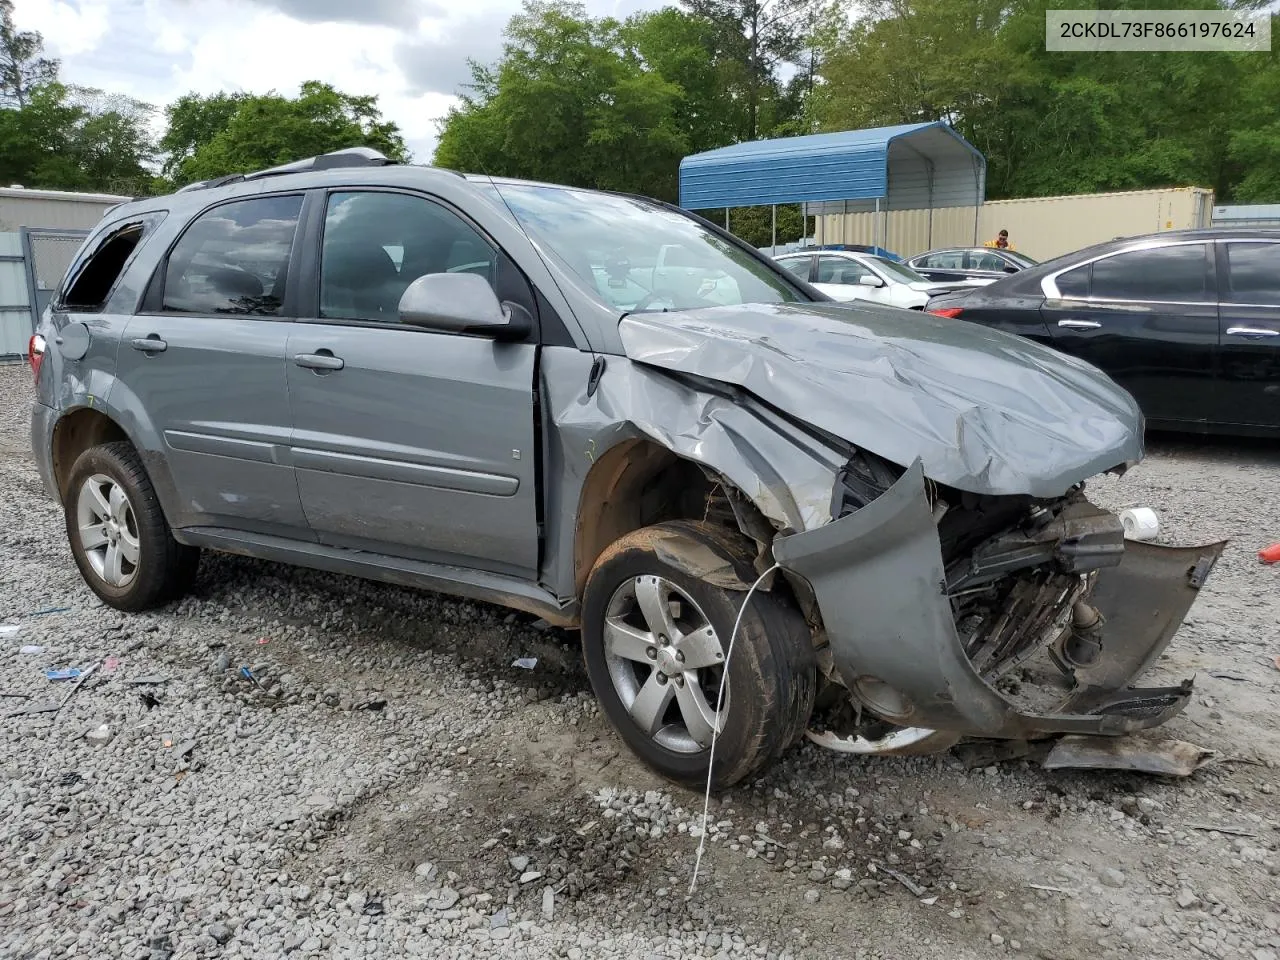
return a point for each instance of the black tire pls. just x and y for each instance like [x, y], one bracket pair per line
[772, 668]
[165, 569]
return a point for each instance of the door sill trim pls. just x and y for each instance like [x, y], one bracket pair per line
[458, 581]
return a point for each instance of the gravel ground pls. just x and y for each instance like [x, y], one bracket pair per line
[391, 786]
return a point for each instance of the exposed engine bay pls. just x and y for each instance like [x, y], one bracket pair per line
[1020, 581]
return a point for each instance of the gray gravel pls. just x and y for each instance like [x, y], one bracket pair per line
[390, 786]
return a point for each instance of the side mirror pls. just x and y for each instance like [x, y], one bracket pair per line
[461, 303]
[1010, 269]
[869, 281]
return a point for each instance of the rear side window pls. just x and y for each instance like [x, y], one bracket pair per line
[1253, 273]
[952, 260]
[1160, 274]
[1074, 283]
[986, 261]
[234, 259]
[95, 277]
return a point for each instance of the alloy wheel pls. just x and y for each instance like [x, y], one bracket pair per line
[108, 530]
[666, 663]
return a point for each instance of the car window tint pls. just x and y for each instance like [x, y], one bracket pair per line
[952, 260]
[1161, 273]
[1253, 273]
[799, 266]
[376, 244]
[840, 270]
[986, 261]
[1074, 283]
[234, 259]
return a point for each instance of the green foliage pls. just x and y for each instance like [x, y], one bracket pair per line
[569, 102]
[76, 138]
[220, 134]
[755, 224]
[1054, 123]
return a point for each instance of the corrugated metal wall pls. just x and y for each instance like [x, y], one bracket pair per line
[49, 208]
[15, 304]
[1043, 227]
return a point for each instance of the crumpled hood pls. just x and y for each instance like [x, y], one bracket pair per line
[985, 411]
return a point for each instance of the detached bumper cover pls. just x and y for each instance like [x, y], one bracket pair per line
[880, 582]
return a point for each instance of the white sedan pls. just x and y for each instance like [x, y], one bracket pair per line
[849, 275]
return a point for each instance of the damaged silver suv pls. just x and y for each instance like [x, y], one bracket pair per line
[608, 412]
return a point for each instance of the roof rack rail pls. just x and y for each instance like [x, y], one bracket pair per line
[350, 157]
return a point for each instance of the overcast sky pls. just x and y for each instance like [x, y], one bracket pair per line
[411, 53]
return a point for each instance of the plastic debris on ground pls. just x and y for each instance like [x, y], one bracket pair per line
[1270, 554]
[525, 663]
[48, 610]
[98, 734]
[70, 673]
[32, 648]
[1170, 758]
[8, 629]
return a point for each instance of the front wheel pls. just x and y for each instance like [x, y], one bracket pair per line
[118, 534]
[656, 642]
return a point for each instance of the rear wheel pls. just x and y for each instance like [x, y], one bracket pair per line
[118, 534]
[656, 642]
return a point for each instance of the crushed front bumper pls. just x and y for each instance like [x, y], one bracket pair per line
[880, 582]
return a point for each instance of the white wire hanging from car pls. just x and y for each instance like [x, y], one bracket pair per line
[715, 730]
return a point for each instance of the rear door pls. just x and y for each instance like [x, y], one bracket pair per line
[1249, 318]
[204, 360]
[944, 266]
[1149, 319]
[408, 441]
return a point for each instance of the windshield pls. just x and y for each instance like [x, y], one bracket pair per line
[636, 256]
[899, 272]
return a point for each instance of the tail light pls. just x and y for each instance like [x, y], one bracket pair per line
[949, 312]
[36, 347]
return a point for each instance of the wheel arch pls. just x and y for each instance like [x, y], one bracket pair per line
[638, 483]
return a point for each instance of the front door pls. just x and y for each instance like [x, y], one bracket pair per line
[1147, 318]
[841, 278]
[407, 441]
[204, 361]
[1249, 317]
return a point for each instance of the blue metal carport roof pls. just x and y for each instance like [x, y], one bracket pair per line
[910, 166]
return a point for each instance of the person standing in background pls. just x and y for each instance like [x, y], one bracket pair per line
[1001, 241]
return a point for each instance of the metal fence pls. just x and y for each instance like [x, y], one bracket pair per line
[32, 262]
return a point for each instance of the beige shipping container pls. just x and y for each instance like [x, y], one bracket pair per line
[53, 209]
[1042, 227]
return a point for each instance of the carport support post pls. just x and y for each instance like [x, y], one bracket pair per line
[726, 219]
[773, 238]
[875, 228]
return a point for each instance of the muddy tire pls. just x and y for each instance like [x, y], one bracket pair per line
[658, 612]
[118, 534]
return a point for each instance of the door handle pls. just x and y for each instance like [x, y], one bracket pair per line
[1079, 324]
[322, 361]
[150, 344]
[1252, 333]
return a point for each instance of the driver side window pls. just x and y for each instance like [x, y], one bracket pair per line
[376, 244]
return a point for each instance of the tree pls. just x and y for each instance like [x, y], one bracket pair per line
[77, 138]
[194, 121]
[21, 66]
[754, 38]
[238, 133]
[568, 102]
